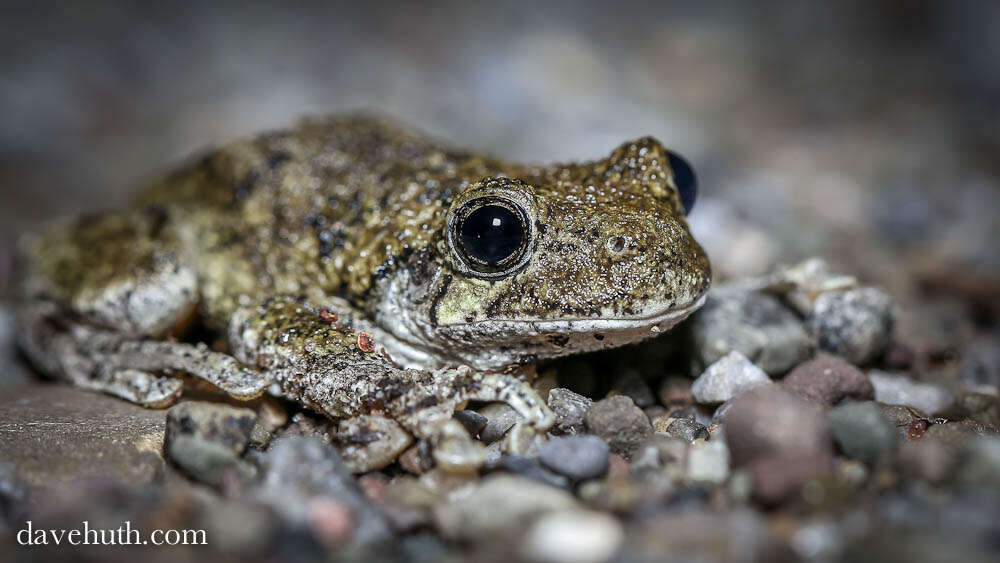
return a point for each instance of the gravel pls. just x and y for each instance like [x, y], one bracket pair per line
[755, 324]
[731, 375]
[570, 409]
[863, 432]
[571, 536]
[855, 324]
[619, 422]
[901, 390]
[206, 440]
[371, 442]
[686, 429]
[577, 457]
[828, 380]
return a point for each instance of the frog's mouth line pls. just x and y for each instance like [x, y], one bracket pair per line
[656, 322]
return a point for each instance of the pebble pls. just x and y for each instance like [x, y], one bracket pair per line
[577, 457]
[418, 458]
[499, 418]
[571, 536]
[570, 409]
[828, 380]
[781, 440]
[660, 453]
[707, 462]
[753, 323]
[980, 371]
[499, 503]
[619, 422]
[981, 466]
[530, 468]
[300, 471]
[472, 421]
[371, 442]
[862, 432]
[206, 440]
[855, 324]
[731, 375]
[901, 390]
[686, 429]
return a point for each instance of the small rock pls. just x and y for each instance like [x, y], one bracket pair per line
[207, 441]
[456, 451]
[828, 380]
[619, 422]
[499, 503]
[577, 457]
[862, 432]
[901, 390]
[630, 382]
[708, 462]
[570, 409]
[570, 536]
[686, 429]
[780, 439]
[472, 421]
[418, 459]
[731, 375]
[530, 468]
[661, 453]
[981, 467]
[927, 460]
[739, 535]
[855, 324]
[499, 418]
[303, 470]
[370, 442]
[980, 371]
[753, 323]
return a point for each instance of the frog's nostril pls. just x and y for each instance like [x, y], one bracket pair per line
[617, 244]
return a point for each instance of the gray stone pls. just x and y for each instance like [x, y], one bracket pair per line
[570, 409]
[472, 421]
[222, 424]
[53, 434]
[530, 468]
[862, 432]
[687, 429]
[855, 324]
[619, 422]
[577, 457]
[301, 471]
[708, 461]
[209, 462]
[901, 390]
[728, 377]
[752, 323]
[498, 504]
[499, 418]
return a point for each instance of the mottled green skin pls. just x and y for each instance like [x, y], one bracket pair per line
[351, 214]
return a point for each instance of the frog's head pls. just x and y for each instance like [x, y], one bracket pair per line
[564, 260]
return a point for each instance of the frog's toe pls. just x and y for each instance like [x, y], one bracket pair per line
[141, 387]
[517, 393]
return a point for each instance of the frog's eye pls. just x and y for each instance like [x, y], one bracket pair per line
[491, 234]
[685, 180]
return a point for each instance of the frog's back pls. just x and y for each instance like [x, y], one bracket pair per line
[323, 208]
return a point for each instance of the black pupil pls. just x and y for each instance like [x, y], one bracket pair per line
[491, 233]
[684, 178]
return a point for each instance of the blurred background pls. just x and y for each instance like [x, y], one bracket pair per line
[864, 132]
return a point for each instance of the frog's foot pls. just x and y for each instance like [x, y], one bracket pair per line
[133, 369]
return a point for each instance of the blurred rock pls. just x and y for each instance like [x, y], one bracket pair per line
[206, 440]
[728, 377]
[780, 439]
[499, 503]
[619, 422]
[499, 418]
[577, 457]
[53, 434]
[981, 466]
[686, 429]
[571, 536]
[530, 468]
[307, 482]
[699, 535]
[927, 460]
[456, 451]
[418, 459]
[708, 461]
[13, 495]
[828, 380]
[752, 323]
[675, 392]
[855, 324]
[630, 382]
[901, 390]
[472, 421]
[570, 409]
[370, 442]
[862, 432]
[980, 370]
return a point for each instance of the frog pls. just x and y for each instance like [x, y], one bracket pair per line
[357, 267]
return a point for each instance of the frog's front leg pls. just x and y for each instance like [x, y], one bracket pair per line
[314, 360]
